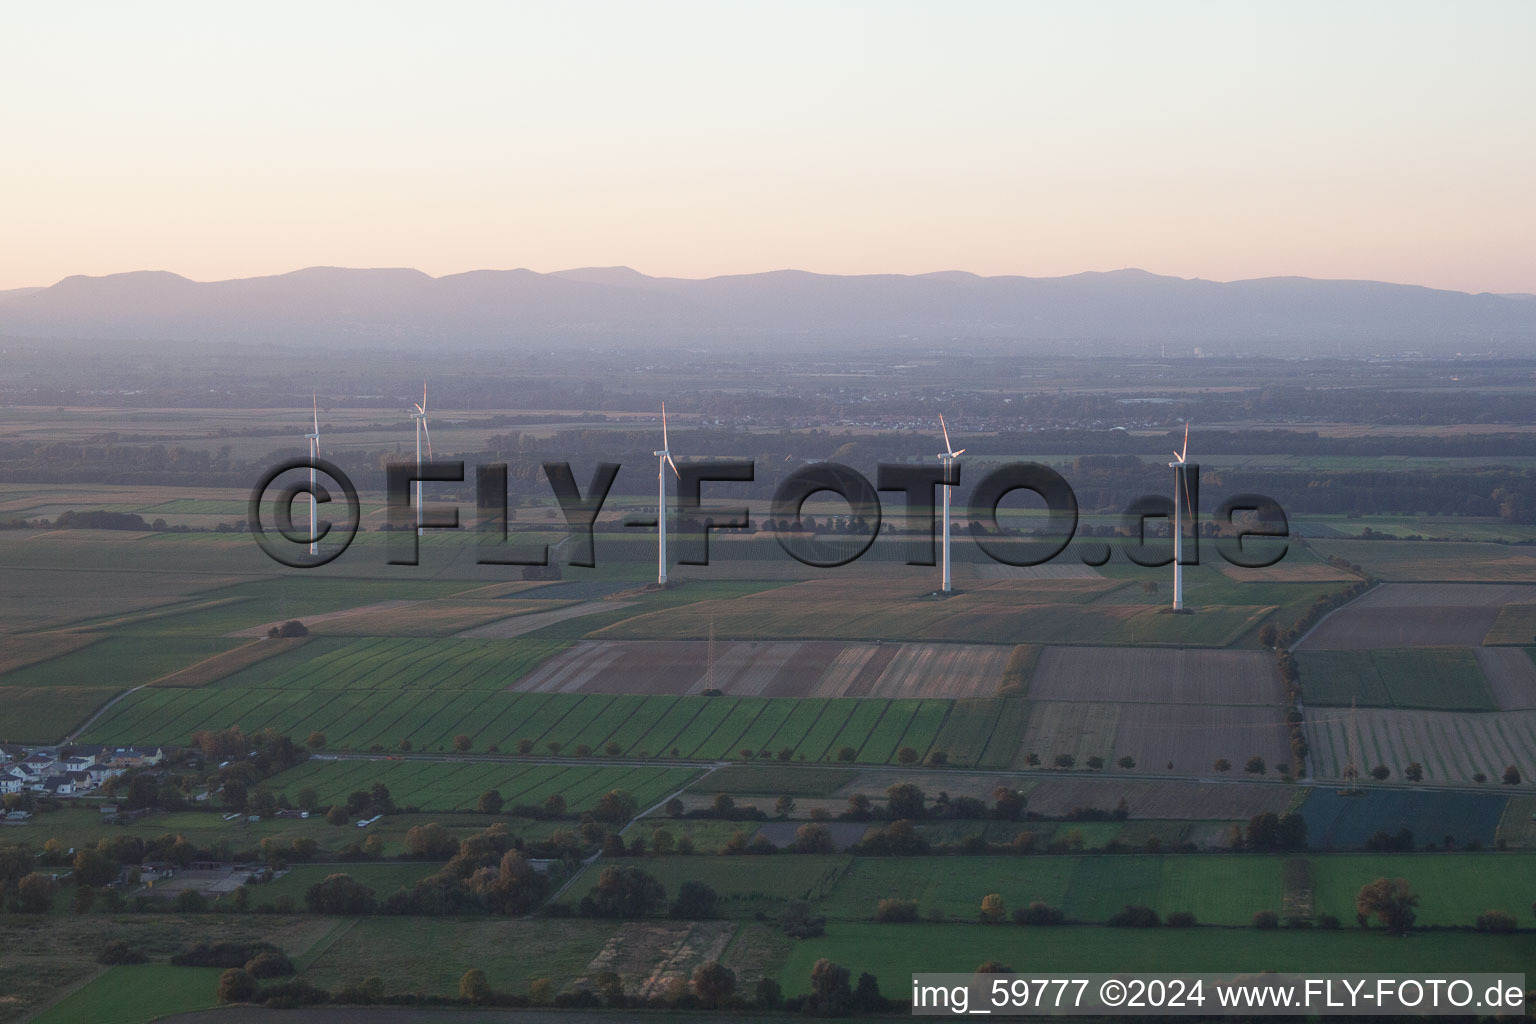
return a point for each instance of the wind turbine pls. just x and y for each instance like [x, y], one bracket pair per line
[947, 457]
[1180, 486]
[420, 416]
[314, 453]
[663, 460]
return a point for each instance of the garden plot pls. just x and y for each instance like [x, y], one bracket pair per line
[1156, 675]
[772, 669]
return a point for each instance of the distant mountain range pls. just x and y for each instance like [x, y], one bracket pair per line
[1128, 307]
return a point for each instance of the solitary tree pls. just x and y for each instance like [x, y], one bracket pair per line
[1391, 901]
[462, 743]
[1511, 776]
[713, 982]
[1221, 764]
[784, 806]
[1254, 765]
[1414, 772]
[1127, 762]
[992, 908]
[490, 802]
[316, 741]
[1380, 773]
[474, 988]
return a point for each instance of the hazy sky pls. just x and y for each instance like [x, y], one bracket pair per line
[1221, 140]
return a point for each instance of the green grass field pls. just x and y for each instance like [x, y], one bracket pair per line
[1432, 678]
[137, 993]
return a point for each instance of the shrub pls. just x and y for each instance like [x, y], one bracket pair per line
[1181, 919]
[1134, 917]
[907, 755]
[269, 965]
[894, 911]
[119, 952]
[236, 986]
[1496, 921]
[1038, 913]
[1266, 919]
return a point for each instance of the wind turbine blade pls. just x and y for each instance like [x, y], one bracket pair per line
[960, 452]
[428, 431]
[1189, 505]
[663, 426]
[1186, 441]
[675, 470]
[419, 410]
[947, 446]
[423, 396]
[1178, 457]
[315, 399]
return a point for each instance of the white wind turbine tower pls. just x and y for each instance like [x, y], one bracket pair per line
[1180, 487]
[314, 453]
[947, 457]
[420, 416]
[663, 460]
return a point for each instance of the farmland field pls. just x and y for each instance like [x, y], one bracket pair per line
[119, 661]
[383, 879]
[1191, 736]
[1516, 624]
[1433, 678]
[1157, 676]
[1453, 888]
[1416, 615]
[772, 669]
[1426, 561]
[1511, 675]
[36, 714]
[1452, 746]
[897, 951]
[1338, 821]
[1158, 798]
[1051, 611]
[447, 786]
[430, 714]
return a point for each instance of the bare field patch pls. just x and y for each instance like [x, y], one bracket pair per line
[1160, 798]
[315, 622]
[1511, 676]
[1451, 746]
[1516, 624]
[433, 618]
[769, 668]
[519, 625]
[1417, 615]
[229, 662]
[1156, 675]
[1190, 737]
[649, 955]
